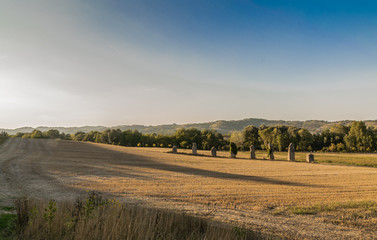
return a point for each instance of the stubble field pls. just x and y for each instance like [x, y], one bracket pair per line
[289, 199]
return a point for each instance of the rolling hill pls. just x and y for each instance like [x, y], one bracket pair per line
[221, 126]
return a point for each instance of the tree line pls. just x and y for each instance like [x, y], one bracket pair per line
[183, 138]
[338, 138]
[3, 136]
[50, 134]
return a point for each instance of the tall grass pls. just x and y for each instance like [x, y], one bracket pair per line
[3, 139]
[95, 218]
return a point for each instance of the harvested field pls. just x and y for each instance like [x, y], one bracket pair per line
[258, 194]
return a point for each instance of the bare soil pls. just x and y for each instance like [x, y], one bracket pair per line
[237, 191]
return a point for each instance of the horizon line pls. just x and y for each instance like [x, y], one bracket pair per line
[155, 125]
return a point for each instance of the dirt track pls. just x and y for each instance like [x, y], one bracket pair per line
[236, 191]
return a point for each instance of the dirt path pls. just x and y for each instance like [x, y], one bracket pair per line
[233, 192]
[22, 172]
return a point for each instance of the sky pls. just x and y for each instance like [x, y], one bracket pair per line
[91, 62]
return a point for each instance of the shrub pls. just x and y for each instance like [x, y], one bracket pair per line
[233, 148]
[184, 144]
[98, 218]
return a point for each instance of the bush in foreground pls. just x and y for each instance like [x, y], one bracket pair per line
[95, 218]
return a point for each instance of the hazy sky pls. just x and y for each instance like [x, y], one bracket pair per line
[74, 63]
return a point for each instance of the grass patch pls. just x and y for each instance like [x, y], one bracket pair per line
[2, 140]
[97, 218]
[7, 208]
[319, 208]
[362, 214]
[350, 159]
[7, 225]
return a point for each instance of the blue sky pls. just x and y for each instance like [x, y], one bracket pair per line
[73, 63]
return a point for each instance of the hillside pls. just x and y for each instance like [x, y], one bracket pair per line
[222, 126]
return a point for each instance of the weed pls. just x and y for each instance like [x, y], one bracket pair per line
[7, 223]
[49, 213]
[98, 218]
[7, 208]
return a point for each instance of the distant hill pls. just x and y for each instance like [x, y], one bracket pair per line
[221, 126]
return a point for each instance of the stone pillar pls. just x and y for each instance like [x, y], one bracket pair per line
[174, 149]
[310, 158]
[213, 152]
[291, 152]
[233, 150]
[271, 151]
[194, 149]
[252, 152]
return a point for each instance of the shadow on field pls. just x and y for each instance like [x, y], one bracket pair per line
[128, 159]
[148, 163]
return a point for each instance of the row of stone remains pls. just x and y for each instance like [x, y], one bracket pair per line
[195, 150]
[291, 152]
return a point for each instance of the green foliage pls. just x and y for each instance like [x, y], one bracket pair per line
[184, 144]
[7, 208]
[306, 140]
[233, 148]
[36, 134]
[79, 136]
[274, 135]
[49, 213]
[340, 147]
[250, 136]
[211, 138]
[183, 137]
[336, 138]
[332, 147]
[7, 225]
[188, 137]
[359, 138]
[237, 138]
[50, 134]
[3, 136]
[269, 151]
[318, 208]
[97, 218]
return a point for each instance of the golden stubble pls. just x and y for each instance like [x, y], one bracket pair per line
[146, 173]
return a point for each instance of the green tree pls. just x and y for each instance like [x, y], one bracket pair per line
[211, 138]
[79, 136]
[250, 136]
[233, 148]
[90, 136]
[191, 135]
[281, 138]
[237, 139]
[278, 136]
[184, 144]
[359, 138]
[306, 140]
[52, 134]
[36, 134]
